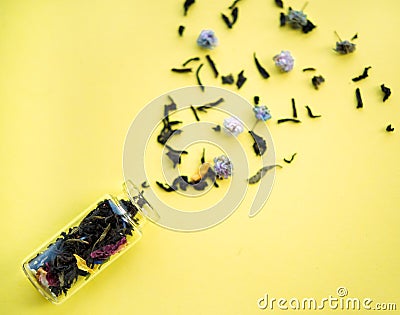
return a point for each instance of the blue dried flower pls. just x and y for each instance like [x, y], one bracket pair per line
[284, 61]
[207, 39]
[222, 167]
[262, 112]
[233, 126]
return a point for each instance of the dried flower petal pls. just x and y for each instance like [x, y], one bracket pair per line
[106, 251]
[284, 61]
[345, 47]
[81, 264]
[296, 19]
[207, 39]
[222, 167]
[233, 126]
[262, 112]
[259, 145]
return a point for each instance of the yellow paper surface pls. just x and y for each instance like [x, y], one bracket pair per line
[75, 73]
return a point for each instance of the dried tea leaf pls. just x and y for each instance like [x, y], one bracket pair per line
[261, 173]
[309, 69]
[259, 145]
[317, 81]
[190, 60]
[294, 108]
[181, 29]
[386, 91]
[212, 65]
[283, 120]
[241, 79]
[203, 108]
[165, 187]
[217, 128]
[198, 77]
[175, 155]
[264, 73]
[187, 5]
[291, 159]
[310, 114]
[282, 19]
[279, 3]
[359, 99]
[228, 79]
[194, 113]
[389, 128]
[181, 70]
[362, 76]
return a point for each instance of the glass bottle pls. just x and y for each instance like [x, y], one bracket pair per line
[88, 244]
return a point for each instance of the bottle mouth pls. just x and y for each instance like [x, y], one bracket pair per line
[137, 198]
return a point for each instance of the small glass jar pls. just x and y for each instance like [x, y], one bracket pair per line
[88, 244]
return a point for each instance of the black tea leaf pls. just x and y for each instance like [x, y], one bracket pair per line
[259, 145]
[175, 155]
[212, 65]
[181, 70]
[308, 69]
[317, 81]
[389, 128]
[362, 76]
[190, 60]
[203, 108]
[194, 113]
[291, 159]
[294, 108]
[386, 91]
[359, 99]
[187, 5]
[181, 29]
[283, 120]
[145, 184]
[217, 128]
[228, 79]
[257, 177]
[198, 77]
[256, 100]
[279, 3]
[264, 73]
[241, 79]
[282, 19]
[308, 27]
[310, 114]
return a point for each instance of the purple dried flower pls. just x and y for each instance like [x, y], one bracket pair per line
[222, 167]
[284, 61]
[233, 126]
[207, 39]
[262, 112]
[108, 250]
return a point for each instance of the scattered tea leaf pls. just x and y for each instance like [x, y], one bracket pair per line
[264, 73]
[187, 5]
[362, 76]
[175, 155]
[386, 91]
[259, 145]
[181, 70]
[145, 184]
[317, 81]
[203, 108]
[241, 79]
[291, 159]
[282, 19]
[283, 120]
[181, 29]
[228, 79]
[261, 173]
[308, 27]
[233, 4]
[359, 99]
[165, 187]
[389, 128]
[190, 60]
[256, 100]
[194, 112]
[212, 65]
[308, 69]
[294, 108]
[355, 36]
[310, 114]
[279, 3]
[181, 181]
[217, 128]
[226, 20]
[198, 77]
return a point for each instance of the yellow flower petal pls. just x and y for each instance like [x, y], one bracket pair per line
[81, 263]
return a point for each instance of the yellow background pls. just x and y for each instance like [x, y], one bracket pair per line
[74, 73]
